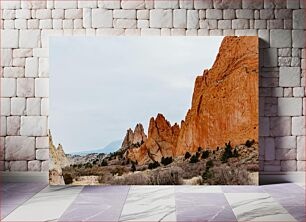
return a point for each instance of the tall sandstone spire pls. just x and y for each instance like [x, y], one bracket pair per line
[225, 99]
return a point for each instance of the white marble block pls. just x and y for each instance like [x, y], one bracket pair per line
[41, 87]
[31, 67]
[19, 148]
[25, 87]
[289, 106]
[102, 18]
[179, 18]
[13, 125]
[289, 76]
[298, 126]
[33, 106]
[18, 106]
[33, 126]
[42, 142]
[9, 38]
[8, 87]
[29, 38]
[160, 18]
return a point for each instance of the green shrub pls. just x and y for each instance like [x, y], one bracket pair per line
[199, 149]
[153, 165]
[166, 160]
[249, 143]
[104, 163]
[187, 155]
[209, 164]
[207, 174]
[194, 158]
[235, 154]
[227, 152]
[68, 178]
[133, 168]
[88, 165]
[205, 154]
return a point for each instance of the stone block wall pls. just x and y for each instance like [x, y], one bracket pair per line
[27, 25]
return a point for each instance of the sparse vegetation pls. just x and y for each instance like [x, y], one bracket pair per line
[249, 143]
[166, 160]
[205, 154]
[169, 176]
[219, 166]
[104, 163]
[68, 178]
[153, 165]
[194, 158]
[209, 164]
[133, 167]
[228, 152]
[187, 155]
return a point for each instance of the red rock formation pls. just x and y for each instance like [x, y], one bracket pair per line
[162, 140]
[134, 138]
[225, 99]
[224, 107]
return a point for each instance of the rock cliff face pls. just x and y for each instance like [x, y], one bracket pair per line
[225, 99]
[57, 160]
[134, 139]
[224, 107]
[162, 141]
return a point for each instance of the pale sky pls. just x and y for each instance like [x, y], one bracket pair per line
[101, 86]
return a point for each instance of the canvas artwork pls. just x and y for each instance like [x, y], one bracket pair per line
[154, 111]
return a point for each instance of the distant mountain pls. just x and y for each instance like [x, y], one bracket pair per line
[112, 147]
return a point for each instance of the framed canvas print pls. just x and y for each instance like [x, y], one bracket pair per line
[153, 111]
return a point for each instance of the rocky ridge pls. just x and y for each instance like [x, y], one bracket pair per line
[162, 140]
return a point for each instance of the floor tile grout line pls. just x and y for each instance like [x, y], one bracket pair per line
[127, 194]
[19, 205]
[229, 205]
[70, 203]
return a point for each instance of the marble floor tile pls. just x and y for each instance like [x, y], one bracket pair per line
[241, 189]
[14, 194]
[97, 204]
[290, 199]
[198, 189]
[15, 198]
[47, 205]
[203, 207]
[257, 207]
[149, 203]
[298, 212]
[22, 187]
[283, 188]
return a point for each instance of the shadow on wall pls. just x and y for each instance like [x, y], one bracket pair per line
[274, 115]
[268, 81]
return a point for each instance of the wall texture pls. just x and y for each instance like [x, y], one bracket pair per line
[26, 26]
